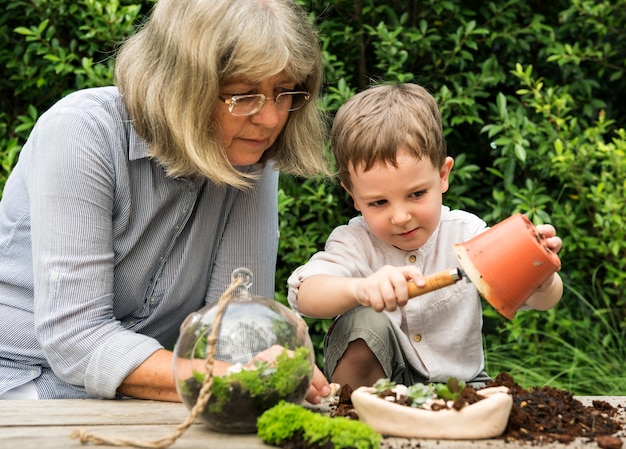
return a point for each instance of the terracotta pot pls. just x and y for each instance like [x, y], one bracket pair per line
[507, 263]
[483, 419]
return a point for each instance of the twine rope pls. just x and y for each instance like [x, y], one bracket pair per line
[86, 437]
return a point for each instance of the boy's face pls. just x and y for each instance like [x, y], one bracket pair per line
[401, 205]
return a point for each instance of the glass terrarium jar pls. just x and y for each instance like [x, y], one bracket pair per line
[263, 354]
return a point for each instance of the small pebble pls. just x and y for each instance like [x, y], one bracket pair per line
[609, 442]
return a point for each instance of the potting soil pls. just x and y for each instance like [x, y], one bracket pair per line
[539, 415]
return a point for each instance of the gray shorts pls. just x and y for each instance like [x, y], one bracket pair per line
[376, 330]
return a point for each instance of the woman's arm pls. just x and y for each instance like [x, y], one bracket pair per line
[154, 378]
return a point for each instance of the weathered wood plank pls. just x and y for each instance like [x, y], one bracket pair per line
[90, 411]
[58, 437]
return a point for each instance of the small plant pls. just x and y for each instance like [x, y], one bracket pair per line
[383, 385]
[420, 395]
[450, 390]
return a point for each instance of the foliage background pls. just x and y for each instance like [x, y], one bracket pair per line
[533, 100]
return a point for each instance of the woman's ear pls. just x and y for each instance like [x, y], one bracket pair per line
[444, 173]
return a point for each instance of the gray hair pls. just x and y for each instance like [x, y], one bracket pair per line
[171, 70]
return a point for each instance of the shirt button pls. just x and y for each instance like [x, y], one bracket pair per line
[412, 258]
[417, 338]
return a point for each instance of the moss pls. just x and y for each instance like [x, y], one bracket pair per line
[281, 377]
[239, 398]
[285, 421]
[289, 369]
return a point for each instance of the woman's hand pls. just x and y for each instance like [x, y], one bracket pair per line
[319, 388]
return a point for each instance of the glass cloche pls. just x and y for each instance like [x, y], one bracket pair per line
[263, 354]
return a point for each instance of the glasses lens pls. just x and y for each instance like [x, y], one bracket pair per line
[246, 104]
[291, 101]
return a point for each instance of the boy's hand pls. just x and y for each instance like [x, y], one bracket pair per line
[387, 288]
[551, 239]
[549, 292]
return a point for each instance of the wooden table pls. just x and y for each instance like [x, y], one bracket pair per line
[48, 425]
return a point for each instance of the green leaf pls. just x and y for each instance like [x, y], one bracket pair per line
[24, 31]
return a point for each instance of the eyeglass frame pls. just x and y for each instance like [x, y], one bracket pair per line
[262, 99]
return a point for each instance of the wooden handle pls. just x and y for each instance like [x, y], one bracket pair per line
[435, 282]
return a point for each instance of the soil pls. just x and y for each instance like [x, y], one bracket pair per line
[539, 415]
[344, 405]
[547, 414]
[297, 442]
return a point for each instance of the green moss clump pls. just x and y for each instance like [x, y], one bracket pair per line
[278, 378]
[286, 420]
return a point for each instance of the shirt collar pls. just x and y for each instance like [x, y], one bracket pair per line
[137, 147]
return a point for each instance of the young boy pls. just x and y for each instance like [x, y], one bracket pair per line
[391, 156]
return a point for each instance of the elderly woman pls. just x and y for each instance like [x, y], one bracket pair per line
[131, 205]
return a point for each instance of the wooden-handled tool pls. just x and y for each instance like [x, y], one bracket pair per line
[436, 281]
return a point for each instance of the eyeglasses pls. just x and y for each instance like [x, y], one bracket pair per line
[241, 105]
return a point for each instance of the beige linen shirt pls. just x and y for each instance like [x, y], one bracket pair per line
[440, 332]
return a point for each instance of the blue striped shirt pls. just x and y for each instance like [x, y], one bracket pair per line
[102, 255]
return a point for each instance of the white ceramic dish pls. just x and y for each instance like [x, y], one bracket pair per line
[486, 418]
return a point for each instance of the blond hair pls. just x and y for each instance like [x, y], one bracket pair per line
[372, 126]
[170, 73]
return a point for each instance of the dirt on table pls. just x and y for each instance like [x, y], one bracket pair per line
[344, 406]
[539, 415]
[548, 414]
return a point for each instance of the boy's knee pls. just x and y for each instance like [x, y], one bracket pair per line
[358, 353]
[364, 323]
[368, 318]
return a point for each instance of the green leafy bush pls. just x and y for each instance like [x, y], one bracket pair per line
[49, 48]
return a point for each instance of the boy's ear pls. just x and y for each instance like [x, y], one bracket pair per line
[346, 189]
[444, 173]
[351, 196]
